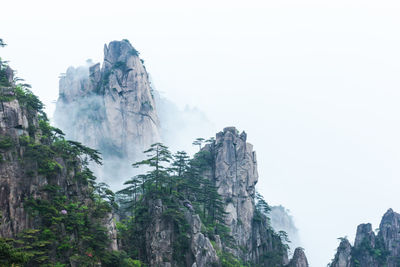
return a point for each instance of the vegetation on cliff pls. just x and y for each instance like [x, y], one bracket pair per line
[67, 208]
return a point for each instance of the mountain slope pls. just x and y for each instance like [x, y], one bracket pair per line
[50, 210]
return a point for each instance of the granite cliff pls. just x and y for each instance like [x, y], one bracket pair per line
[49, 209]
[370, 249]
[234, 173]
[110, 108]
[205, 211]
[180, 211]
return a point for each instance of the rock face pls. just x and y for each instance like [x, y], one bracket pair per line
[161, 236]
[21, 177]
[372, 250]
[110, 108]
[234, 173]
[202, 250]
[299, 259]
[15, 184]
[233, 170]
[343, 254]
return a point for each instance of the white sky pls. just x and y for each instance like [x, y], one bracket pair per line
[315, 84]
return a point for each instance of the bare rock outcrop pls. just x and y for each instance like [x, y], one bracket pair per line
[299, 259]
[161, 235]
[343, 254]
[370, 249]
[234, 173]
[15, 184]
[202, 250]
[110, 107]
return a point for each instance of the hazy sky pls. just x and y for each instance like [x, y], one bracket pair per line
[315, 84]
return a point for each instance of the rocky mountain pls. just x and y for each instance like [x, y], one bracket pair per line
[177, 211]
[110, 107]
[234, 173]
[50, 212]
[370, 249]
[205, 213]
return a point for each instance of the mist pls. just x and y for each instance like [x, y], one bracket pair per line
[314, 84]
[81, 113]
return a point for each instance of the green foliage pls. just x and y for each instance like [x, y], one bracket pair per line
[68, 213]
[4, 82]
[379, 253]
[120, 259]
[61, 219]
[120, 65]
[6, 142]
[262, 205]
[44, 157]
[52, 145]
[11, 256]
[25, 140]
[198, 142]
[27, 99]
[229, 260]
[178, 182]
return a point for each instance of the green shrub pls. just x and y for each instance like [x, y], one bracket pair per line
[6, 142]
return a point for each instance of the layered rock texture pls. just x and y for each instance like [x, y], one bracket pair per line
[110, 107]
[370, 249]
[15, 183]
[161, 239]
[234, 173]
[232, 168]
[41, 181]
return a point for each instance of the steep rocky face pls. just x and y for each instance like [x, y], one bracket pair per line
[343, 254]
[203, 252]
[299, 259]
[15, 184]
[370, 249]
[110, 108]
[46, 193]
[234, 173]
[161, 237]
[389, 231]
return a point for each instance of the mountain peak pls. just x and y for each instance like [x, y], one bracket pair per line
[119, 51]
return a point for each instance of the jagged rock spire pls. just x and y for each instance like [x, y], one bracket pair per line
[370, 249]
[110, 107]
[299, 259]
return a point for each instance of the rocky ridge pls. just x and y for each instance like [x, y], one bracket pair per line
[370, 249]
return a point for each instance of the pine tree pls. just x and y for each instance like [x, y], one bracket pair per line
[157, 155]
